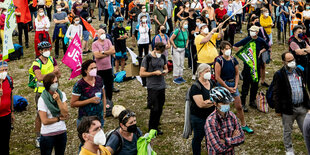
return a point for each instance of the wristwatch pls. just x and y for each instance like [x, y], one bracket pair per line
[58, 119]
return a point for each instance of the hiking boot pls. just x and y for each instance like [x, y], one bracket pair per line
[38, 142]
[115, 90]
[245, 108]
[177, 81]
[247, 129]
[265, 84]
[27, 45]
[253, 105]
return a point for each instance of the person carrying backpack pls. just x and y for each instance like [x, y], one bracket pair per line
[42, 66]
[227, 76]
[201, 105]
[179, 40]
[123, 140]
[162, 37]
[7, 117]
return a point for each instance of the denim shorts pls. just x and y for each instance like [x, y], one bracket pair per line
[85, 35]
[232, 85]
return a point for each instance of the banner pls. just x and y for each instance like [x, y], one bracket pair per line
[9, 26]
[73, 57]
[248, 55]
[89, 28]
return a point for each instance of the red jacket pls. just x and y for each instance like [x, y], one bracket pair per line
[2, 20]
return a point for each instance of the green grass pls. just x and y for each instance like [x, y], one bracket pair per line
[267, 138]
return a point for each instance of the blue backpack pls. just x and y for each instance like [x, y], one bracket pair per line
[20, 103]
[153, 40]
[119, 77]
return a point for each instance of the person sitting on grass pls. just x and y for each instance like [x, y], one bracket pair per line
[223, 132]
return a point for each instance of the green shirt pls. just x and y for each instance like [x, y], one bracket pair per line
[160, 16]
[181, 39]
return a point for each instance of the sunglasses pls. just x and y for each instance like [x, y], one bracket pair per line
[131, 114]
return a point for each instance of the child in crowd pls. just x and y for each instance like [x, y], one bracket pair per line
[120, 36]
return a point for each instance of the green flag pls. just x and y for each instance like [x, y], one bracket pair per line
[248, 55]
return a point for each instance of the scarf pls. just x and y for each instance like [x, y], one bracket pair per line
[51, 103]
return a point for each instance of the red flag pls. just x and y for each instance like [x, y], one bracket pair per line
[34, 3]
[89, 27]
[22, 7]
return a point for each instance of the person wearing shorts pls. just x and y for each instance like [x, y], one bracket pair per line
[120, 36]
[227, 75]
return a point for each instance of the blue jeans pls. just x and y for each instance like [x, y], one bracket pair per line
[47, 143]
[85, 35]
[199, 133]
[100, 12]
[232, 85]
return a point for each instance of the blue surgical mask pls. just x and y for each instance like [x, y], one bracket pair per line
[307, 7]
[225, 108]
[207, 15]
[185, 26]
[300, 35]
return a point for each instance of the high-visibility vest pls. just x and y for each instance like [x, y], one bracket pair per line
[45, 69]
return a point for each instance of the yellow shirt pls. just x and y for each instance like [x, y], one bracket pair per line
[208, 52]
[103, 150]
[48, 2]
[266, 23]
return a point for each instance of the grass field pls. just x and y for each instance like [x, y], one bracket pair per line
[267, 138]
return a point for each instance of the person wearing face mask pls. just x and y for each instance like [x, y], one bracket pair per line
[42, 24]
[75, 28]
[290, 97]
[184, 12]
[143, 37]
[92, 136]
[306, 15]
[281, 14]
[205, 18]
[7, 117]
[237, 4]
[210, 13]
[201, 105]
[154, 68]
[77, 8]
[220, 12]
[88, 93]
[300, 49]
[179, 40]
[160, 15]
[205, 43]
[103, 50]
[120, 36]
[261, 46]
[227, 76]
[162, 37]
[295, 16]
[42, 66]
[144, 13]
[223, 131]
[267, 23]
[196, 6]
[168, 5]
[60, 20]
[134, 12]
[230, 29]
[128, 131]
[53, 112]
[113, 4]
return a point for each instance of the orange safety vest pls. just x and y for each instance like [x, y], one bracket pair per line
[294, 22]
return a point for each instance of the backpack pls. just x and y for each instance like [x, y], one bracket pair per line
[148, 59]
[120, 138]
[220, 57]
[10, 81]
[20, 103]
[16, 55]
[170, 65]
[109, 107]
[119, 77]
[32, 80]
[153, 40]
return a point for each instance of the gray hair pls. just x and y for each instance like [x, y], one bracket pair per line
[201, 68]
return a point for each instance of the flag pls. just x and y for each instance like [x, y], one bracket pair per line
[248, 55]
[9, 26]
[73, 57]
[89, 28]
[23, 8]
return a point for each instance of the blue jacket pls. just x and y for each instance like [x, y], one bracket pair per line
[111, 10]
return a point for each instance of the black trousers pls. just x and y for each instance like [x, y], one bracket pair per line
[111, 21]
[5, 131]
[106, 16]
[156, 101]
[169, 20]
[22, 27]
[247, 82]
[143, 48]
[64, 47]
[107, 77]
[193, 53]
[49, 12]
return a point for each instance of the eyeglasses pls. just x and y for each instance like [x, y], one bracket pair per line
[131, 114]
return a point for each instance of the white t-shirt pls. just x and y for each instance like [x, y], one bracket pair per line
[194, 4]
[55, 127]
[237, 6]
[306, 13]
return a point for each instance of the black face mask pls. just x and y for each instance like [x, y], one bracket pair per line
[257, 24]
[163, 31]
[132, 128]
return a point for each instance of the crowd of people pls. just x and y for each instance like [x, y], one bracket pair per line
[202, 31]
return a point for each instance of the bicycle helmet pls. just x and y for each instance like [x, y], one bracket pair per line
[119, 19]
[220, 95]
[44, 45]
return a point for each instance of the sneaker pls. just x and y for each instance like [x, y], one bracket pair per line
[182, 80]
[177, 81]
[84, 53]
[38, 142]
[289, 153]
[247, 129]
[159, 132]
[115, 90]
[194, 77]
[265, 84]
[245, 109]
[253, 105]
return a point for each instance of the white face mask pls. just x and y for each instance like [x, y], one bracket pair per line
[3, 75]
[41, 13]
[103, 36]
[221, 6]
[161, 5]
[76, 22]
[143, 10]
[144, 20]
[187, 5]
[197, 24]
[59, 9]
[252, 33]
[158, 55]
[228, 52]
[100, 138]
[54, 87]
[207, 76]
[80, 1]
[206, 30]
[292, 65]
[46, 54]
[266, 14]
[209, 4]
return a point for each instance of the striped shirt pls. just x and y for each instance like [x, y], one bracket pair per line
[296, 87]
[219, 128]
